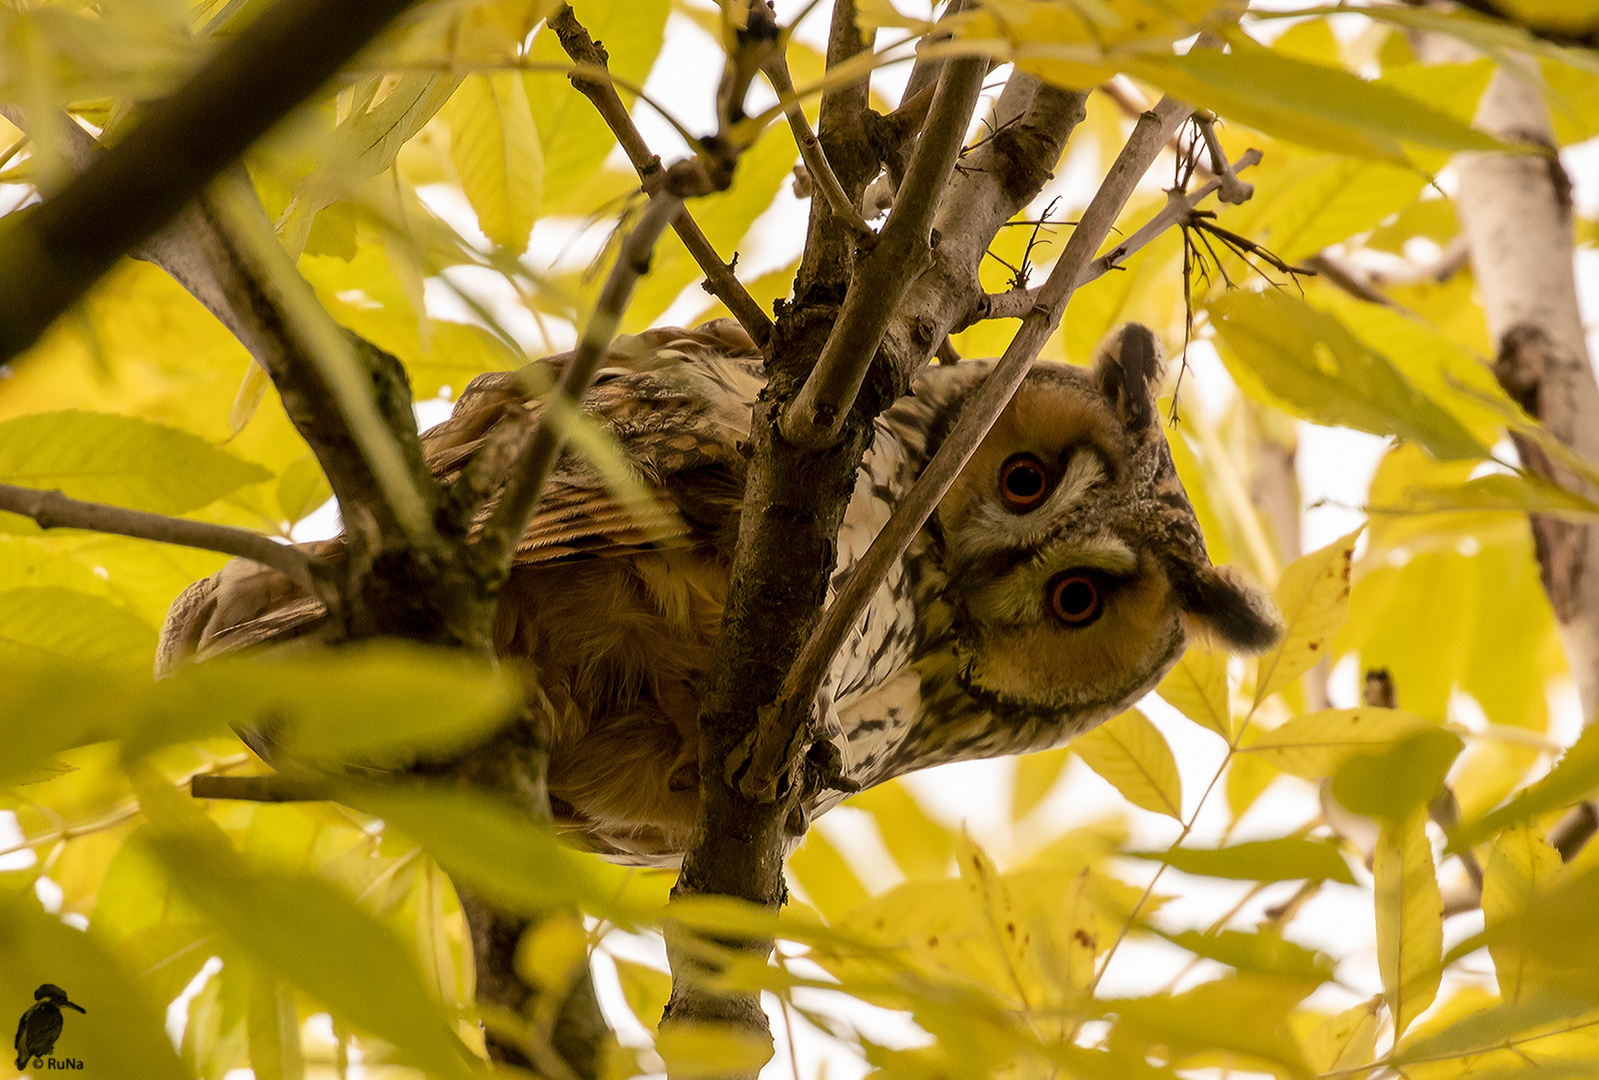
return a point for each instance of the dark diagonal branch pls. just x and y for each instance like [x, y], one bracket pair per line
[719, 277]
[509, 519]
[902, 250]
[50, 257]
[780, 723]
[53, 510]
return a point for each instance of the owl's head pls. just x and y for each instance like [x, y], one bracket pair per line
[1072, 568]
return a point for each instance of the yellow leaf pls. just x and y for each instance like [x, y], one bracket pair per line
[1313, 596]
[1316, 744]
[692, 1051]
[553, 953]
[252, 389]
[1410, 918]
[919, 844]
[1520, 862]
[495, 146]
[1197, 688]
[1247, 779]
[1132, 755]
[993, 898]
[1343, 1041]
[824, 875]
[1036, 775]
[646, 989]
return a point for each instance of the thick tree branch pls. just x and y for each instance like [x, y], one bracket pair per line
[270, 788]
[815, 418]
[51, 256]
[1179, 205]
[829, 254]
[1515, 211]
[719, 277]
[520, 497]
[53, 510]
[782, 724]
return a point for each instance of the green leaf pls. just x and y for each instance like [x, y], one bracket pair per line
[501, 853]
[367, 701]
[1516, 493]
[1262, 953]
[1410, 917]
[705, 1050]
[495, 146]
[575, 137]
[121, 1032]
[302, 488]
[1308, 103]
[1132, 755]
[1394, 781]
[1314, 745]
[1286, 353]
[121, 460]
[307, 931]
[41, 623]
[1313, 596]
[273, 1024]
[1573, 777]
[1290, 858]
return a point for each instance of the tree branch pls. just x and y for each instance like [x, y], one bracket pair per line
[520, 497]
[271, 788]
[1179, 205]
[53, 510]
[719, 278]
[815, 418]
[203, 254]
[51, 256]
[810, 148]
[773, 741]
[829, 254]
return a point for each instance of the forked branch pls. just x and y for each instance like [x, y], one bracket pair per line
[780, 724]
[719, 277]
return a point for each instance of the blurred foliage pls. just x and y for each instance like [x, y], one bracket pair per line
[457, 172]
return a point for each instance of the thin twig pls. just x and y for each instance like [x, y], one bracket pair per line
[53, 510]
[816, 416]
[1018, 302]
[810, 147]
[719, 277]
[521, 493]
[1233, 190]
[782, 718]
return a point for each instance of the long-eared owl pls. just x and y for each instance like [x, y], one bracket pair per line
[1057, 582]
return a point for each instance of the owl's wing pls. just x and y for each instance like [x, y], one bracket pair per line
[678, 404]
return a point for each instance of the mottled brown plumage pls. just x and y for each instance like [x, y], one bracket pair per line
[1057, 582]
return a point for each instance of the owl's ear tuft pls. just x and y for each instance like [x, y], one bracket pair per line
[1240, 615]
[1129, 367]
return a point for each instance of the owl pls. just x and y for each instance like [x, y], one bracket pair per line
[1058, 580]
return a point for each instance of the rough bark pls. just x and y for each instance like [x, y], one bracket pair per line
[1516, 213]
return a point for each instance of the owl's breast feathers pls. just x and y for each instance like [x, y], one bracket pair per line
[615, 596]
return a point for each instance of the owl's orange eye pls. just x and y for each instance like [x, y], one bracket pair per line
[1023, 483]
[1075, 599]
